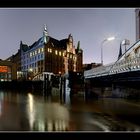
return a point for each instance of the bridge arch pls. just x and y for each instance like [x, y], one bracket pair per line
[40, 76]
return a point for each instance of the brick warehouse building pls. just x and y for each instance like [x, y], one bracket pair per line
[50, 55]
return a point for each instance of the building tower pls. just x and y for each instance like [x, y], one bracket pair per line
[45, 34]
[137, 17]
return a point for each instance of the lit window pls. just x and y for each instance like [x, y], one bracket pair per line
[56, 52]
[35, 52]
[63, 54]
[30, 54]
[42, 49]
[71, 56]
[59, 53]
[68, 55]
[38, 50]
[50, 50]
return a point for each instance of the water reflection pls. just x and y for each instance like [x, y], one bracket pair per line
[31, 110]
[0, 107]
[35, 112]
[50, 116]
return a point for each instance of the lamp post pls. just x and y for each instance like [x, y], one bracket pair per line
[107, 39]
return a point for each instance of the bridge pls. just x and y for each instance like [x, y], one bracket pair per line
[41, 76]
[126, 68]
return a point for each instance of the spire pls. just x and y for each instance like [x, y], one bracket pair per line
[45, 30]
[120, 52]
[45, 33]
[78, 46]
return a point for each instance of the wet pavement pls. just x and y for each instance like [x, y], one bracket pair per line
[35, 112]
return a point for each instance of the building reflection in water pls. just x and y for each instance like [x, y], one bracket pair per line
[48, 116]
[1, 102]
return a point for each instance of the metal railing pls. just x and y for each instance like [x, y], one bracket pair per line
[124, 65]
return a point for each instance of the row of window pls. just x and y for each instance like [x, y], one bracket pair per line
[38, 51]
[33, 65]
[29, 66]
[33, 53]
[62, 54]
[33, 59]
[5, 75]
[35, 70]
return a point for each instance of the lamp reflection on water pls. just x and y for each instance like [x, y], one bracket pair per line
[47, 116]
[30, 110]
[57, 117]
[50, 125]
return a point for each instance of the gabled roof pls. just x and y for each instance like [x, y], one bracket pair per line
[40, 41]
[59, 43]
[56, 43]
[63, 43]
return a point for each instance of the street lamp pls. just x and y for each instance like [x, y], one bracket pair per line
[107, 39]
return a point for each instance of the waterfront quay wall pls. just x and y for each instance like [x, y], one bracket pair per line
[21, 85]
[114, 87]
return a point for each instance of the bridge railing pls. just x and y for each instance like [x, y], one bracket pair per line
[124, 65]
[98, 71]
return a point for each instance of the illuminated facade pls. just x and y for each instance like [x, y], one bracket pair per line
[62, 56]
[7, 71]
[50, 55]
[32, 58]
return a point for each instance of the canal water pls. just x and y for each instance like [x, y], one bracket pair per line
[32, 111]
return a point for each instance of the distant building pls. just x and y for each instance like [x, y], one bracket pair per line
[8, 71]
[90, 66]
[16, 58]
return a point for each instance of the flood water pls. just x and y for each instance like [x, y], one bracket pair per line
[27, 111]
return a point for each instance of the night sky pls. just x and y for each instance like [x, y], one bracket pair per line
[90, 26]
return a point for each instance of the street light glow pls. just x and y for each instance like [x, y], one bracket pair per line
[31, 70]
[110, 38]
